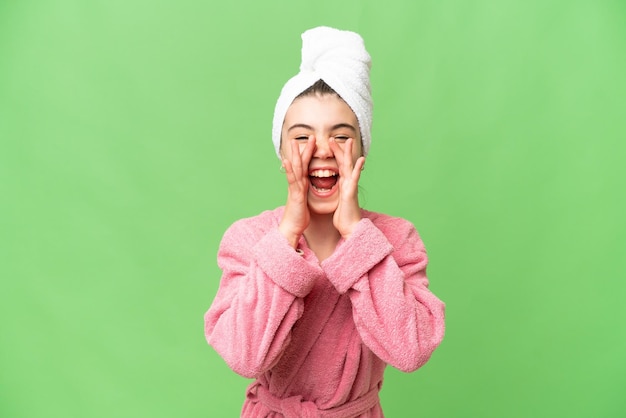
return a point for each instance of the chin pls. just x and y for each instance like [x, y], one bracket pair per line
[323, 208]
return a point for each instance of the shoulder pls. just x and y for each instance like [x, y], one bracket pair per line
[254, 227]
[397, 230]
[387, 222]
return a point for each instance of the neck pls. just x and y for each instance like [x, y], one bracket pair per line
[322, 236]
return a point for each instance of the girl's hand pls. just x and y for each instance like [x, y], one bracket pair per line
[296, 216]
[348, 212]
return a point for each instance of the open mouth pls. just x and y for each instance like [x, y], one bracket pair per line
[323, 180]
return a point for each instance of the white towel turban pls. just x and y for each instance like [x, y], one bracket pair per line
[339, 59]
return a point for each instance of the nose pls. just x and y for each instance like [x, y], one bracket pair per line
[322, 148]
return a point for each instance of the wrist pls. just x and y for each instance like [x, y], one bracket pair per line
[346, 232]
[292, 237]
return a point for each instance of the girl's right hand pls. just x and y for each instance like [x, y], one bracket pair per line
[296, 215]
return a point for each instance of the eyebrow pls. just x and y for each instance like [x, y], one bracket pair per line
[334, 127]
[300, 125]
[344, 125]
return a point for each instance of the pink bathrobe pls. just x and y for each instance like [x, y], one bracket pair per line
[316, 337]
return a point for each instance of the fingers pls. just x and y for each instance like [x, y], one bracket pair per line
[296, 215]
[296, 160]
[297, 165]
[340, 155]
[300, 160]
[358, 167]
[289, 171]
[344, 159]
[307, 154]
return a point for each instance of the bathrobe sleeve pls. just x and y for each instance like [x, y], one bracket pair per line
[259, 298]
[382, 268]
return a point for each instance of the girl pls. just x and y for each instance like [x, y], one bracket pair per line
[319, 295]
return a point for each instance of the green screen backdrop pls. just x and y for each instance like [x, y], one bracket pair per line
[133, 133]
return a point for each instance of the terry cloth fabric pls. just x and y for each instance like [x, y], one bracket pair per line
[340, 59]
[320, 335]
[296, 407]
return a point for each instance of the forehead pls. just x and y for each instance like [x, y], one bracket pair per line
[320, 111]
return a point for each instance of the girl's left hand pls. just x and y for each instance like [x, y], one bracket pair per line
[348, 212]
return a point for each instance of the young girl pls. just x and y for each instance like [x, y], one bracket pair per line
[319, 295]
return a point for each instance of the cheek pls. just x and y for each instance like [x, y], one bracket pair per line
[285, 148]
[357, 151]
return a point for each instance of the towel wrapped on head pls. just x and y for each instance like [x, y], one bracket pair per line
[340, 59]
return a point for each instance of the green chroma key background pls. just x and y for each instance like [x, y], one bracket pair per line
[133, 133]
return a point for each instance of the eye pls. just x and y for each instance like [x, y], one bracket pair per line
[302, 138]
[341, 138]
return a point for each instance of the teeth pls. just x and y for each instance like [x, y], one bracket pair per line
[322, 173]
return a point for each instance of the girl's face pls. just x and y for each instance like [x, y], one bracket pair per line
[322, 117]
